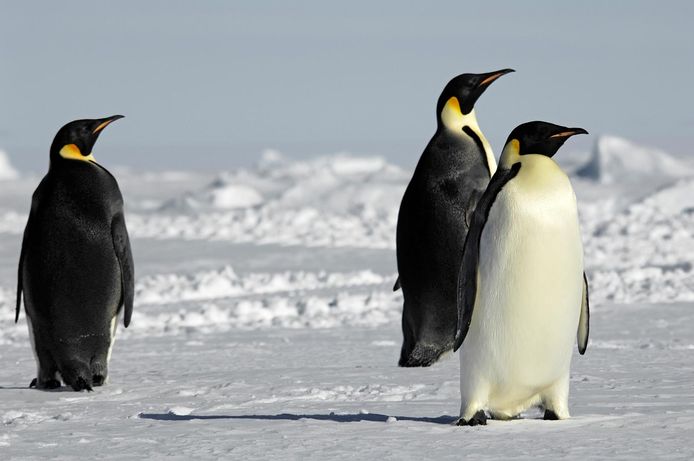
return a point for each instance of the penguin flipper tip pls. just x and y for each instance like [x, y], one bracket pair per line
[458, 341]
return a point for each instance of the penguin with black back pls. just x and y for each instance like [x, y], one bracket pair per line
[76, 271]
[433, 220]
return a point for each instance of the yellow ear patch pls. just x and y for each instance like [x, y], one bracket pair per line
[453, 105]
[72, 152]
[451, 115]
[510, 154]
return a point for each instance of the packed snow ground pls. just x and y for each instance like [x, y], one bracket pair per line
[265, 325]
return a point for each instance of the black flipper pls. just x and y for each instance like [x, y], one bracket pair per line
[584, 320]
[20, 285]
[121, 244]
[467, 277]
[396, 287]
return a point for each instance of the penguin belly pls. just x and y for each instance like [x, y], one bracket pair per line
[518, 350]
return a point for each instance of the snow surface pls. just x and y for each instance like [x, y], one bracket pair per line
[265, 325]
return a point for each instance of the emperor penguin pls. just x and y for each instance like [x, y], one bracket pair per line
[75, 268]
[522, 290]
[435, 211]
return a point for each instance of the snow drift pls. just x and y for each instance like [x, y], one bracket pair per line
[338, 200]
[641, 251]
[617, 160]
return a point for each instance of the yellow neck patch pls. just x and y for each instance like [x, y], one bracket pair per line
[454, 120]
[511, 153]
[72, 152]
[451, 115]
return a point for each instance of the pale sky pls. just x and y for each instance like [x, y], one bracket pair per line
[210, 84]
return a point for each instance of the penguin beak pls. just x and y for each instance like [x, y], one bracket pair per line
[568, 132]
[476, 92]
[488, 78]
[104, 122]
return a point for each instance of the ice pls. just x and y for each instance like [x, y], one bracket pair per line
[617, 160]
[265, 325]
[180, 411]
[227, 196]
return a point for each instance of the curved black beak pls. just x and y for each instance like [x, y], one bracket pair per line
[488, 78]
[484, 81]
[561, 134]
[102, 123]
[566, 133]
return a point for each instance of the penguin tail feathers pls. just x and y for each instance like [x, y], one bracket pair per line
[421, 355]
[396, 286]
[77, 374]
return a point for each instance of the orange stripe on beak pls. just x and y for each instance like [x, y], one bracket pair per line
[101, 126]
[564, 134]
[491, 78]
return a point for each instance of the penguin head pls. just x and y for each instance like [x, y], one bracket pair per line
[75, 140]
[542, 138]
[460, 94]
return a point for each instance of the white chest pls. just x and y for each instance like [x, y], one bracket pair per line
[529, 285]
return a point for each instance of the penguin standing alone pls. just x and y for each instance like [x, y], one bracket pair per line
[75, 268]
[450, 177]
[522, 295]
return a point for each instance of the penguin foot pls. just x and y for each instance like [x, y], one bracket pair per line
[550, 416]
[77, 374]
[48, 384]
[422, 355]
[51, 384]
[81, 384]
[479, 419]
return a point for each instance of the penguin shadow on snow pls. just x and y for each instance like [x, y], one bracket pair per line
[446, 420]
[343, 418]
[27, 388]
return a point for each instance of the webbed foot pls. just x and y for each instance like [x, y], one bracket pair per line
[550, 416]
[479, 419]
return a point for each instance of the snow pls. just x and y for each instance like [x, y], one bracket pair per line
[7, 171]
[618, 160]
[265, 325]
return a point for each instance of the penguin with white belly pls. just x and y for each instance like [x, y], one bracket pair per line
[522, 292]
